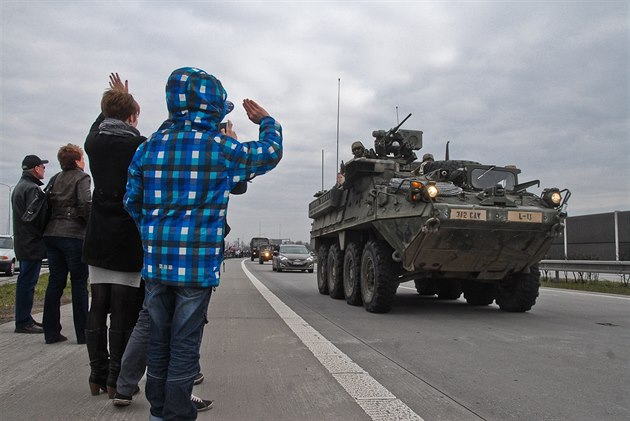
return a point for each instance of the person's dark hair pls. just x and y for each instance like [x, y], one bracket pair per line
[68, 156]
[119, 105]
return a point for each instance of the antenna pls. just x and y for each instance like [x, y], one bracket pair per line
[397, 121]
[338, 102]
[322, 170]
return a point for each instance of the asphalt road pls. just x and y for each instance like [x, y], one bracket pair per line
[566, 359]
[275, 349]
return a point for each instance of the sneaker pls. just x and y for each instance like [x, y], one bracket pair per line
[122, 400]
[201, 404]
[29, 329]
[198, 379]
[60, 338]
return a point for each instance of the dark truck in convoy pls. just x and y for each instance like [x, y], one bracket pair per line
[255, 246]
[452, 227]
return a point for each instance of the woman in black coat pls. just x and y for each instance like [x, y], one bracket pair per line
[112, 248]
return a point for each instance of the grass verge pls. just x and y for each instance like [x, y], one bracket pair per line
[7, 298]
[607, 287]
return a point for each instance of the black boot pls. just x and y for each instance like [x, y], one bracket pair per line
[96, 341]
[117, 343]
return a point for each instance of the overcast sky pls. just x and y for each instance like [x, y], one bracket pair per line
[542, 85]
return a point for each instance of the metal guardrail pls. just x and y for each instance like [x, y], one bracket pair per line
[593, 266]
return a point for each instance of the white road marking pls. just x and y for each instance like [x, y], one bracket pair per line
[377, 402]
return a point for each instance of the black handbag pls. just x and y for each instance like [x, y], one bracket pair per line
[40, 209]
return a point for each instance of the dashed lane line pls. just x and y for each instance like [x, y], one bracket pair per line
[377, 402]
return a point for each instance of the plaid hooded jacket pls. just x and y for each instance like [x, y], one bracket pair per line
[180, 179]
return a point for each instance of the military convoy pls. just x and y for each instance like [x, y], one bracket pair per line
[451, 226]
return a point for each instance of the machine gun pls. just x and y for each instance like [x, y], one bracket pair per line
[399, 143]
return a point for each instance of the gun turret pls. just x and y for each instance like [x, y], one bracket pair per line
[394, 142]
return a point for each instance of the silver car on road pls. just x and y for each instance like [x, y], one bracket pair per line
[292, 257]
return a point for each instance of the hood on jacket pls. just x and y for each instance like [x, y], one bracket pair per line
[195, 99]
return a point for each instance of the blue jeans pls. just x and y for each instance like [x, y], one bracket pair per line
[24, 290]
[64, 256]
[177, 318]
[134, 360]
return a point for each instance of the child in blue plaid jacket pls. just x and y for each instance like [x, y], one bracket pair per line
[178, 188]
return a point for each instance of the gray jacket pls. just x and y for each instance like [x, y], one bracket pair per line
[71, 204]
[29, 243]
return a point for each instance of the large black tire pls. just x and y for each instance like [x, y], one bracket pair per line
[322, 270]
[252, 257]
[449, 289]
[334, 275]
[425, 286]
[378, 283]
[352, 274]
[479, 293]
[517, 293]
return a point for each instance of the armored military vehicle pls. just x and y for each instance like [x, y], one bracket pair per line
[451, 226]
[255, 246]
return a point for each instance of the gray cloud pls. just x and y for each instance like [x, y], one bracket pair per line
[540, 85]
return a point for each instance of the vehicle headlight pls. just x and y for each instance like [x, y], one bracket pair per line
[432, 190]
[419, 191]
[309, 259]
[281, 257]
[552, 197]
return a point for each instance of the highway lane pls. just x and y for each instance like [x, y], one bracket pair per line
[567, 359]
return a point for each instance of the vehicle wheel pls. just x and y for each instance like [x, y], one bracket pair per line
[279, 270]
[352, 274]
[310, 271]
[11, 269]
[322, 271]
[378, 286]
[449, 289]
[479, 293]
[518, 292]
[425, 286]
[252, 257]
[261, 261]
[335, 272]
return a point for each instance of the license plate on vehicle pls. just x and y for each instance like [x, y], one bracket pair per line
[533, 217]
[469, 214]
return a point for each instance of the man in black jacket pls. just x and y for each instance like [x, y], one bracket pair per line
[29, 243]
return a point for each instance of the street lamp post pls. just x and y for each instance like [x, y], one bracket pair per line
[9, 205]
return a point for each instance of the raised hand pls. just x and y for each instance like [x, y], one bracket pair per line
[229, 130]
[254, 111]
[116, 83]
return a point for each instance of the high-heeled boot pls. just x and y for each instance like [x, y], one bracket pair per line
[96, 342]
[117, 343]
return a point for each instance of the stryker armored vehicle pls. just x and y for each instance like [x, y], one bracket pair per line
[451, 226]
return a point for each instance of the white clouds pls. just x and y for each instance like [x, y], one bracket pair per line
[540, 85]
